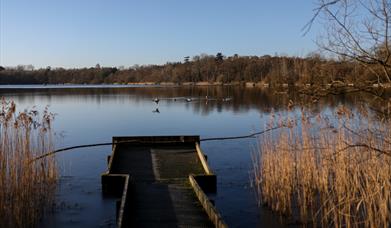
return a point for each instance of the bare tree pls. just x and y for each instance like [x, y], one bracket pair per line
[357, 30]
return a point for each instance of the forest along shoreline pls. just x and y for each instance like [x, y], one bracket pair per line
[262, 71]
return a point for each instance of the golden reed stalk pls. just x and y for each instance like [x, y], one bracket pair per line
[327, 174]
[26, 188]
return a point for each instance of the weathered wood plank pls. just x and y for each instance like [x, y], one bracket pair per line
[160, 193]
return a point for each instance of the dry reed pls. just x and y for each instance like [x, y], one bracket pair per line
[328, 173]
[26, 187]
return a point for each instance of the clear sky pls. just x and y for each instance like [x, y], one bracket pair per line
[82, 33]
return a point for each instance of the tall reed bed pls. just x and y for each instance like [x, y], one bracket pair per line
[27, 187]
[327, 173]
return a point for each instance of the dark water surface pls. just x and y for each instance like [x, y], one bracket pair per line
[87, 115]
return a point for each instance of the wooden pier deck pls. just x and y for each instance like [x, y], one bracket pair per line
[162, 182]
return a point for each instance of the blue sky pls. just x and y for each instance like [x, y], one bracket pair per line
[82, 33]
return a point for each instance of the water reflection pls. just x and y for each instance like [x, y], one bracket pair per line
[203, 99]
[156, 110]
[93, 115]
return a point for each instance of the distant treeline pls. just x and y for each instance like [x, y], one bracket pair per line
[274, 70]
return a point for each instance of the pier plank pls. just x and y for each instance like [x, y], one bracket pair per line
[159, 193]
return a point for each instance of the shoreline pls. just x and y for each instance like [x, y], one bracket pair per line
[187, 84]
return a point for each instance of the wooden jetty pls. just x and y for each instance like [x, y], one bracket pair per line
[162, 181]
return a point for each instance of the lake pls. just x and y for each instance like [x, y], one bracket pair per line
[94, 114]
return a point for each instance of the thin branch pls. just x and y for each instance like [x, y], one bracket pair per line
[307, 27]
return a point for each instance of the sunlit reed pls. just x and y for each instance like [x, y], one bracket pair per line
[26, 188]
[327, 173]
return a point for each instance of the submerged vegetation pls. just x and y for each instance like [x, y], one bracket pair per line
[27, 187]
[327, 170]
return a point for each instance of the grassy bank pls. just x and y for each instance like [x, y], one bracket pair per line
[26, 187]
[327, 173]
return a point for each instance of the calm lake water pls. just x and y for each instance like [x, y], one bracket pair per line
[94, 114]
